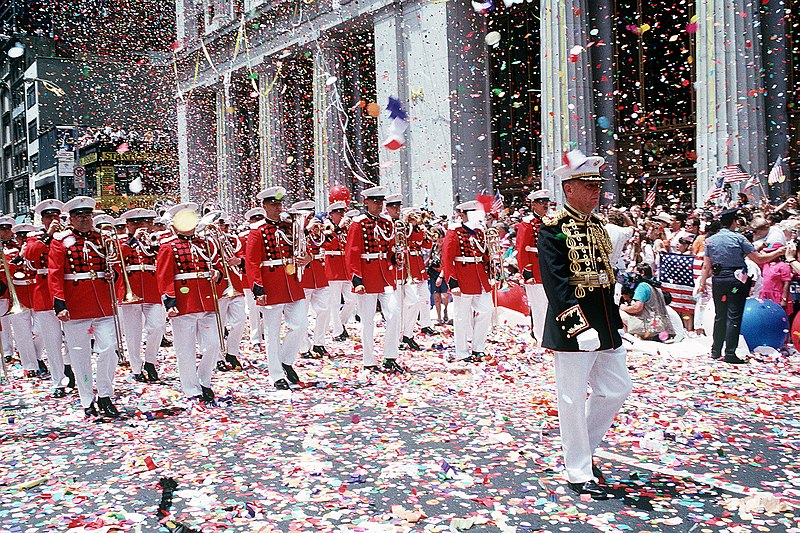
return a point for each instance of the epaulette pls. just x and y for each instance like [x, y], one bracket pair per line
[165, 240]
[554, 219]
[256, 225]
[528, 219]
[453, 226]
[599, 219]
[61, 235]
[385, 216]
[244, 234]
[360, 218]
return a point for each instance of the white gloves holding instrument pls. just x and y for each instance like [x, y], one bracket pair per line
[589, 340]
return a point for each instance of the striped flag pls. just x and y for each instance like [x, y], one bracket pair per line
[676, 274]
[650, 199]
[734, 174]
[497, 205]
[752, 182]
[718, 189]
[776, 174]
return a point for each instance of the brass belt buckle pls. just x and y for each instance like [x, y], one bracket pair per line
[602, 278]
[92, 274]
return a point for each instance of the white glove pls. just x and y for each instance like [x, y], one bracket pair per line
[589, 340]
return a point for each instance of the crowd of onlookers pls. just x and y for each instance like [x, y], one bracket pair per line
[151, 139]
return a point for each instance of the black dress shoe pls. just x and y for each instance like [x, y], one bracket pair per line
[222, 366]
[291, 375]
[70, 376]
[732, 359]
[233, 361]
[307, 355]
[342, 336]
[107, 408]
[150, 370]
[471, 359]
[716, 356]
[90, 411]
[598, 474]
[140, 378]
[30, 374]
[208, 394]
[591, 488]
[372, 368]
[391, 366]
[43, 370]
[411, 343]
[166, 343]
[59, 392]
[320, 351]
[427, 330]
[282, 384]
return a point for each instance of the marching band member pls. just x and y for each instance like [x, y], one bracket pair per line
[185, 273]
[528, 259]
[408, 309]
[253, 216]
[7, 241]
[371, 263]
[47, 333]
[464, 267]
[140, 254]
[315, 284]
[232, 307]
[23, 280]
[336, 271]
[78, 279]
[272, 268]
[415, 291]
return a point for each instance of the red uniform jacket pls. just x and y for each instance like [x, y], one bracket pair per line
[140, 264]
[247, 283]
[334, 246]
[269, 254]
[464, 260]
[76, 275]
[314, 276]
[11, 247]
[417, 240]
[527, 251]
[23, 277]
[183, 270]
[370, 253]
[37, 250]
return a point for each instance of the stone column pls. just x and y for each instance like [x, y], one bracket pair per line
[270, 103]
[775, 59]
[730, 102]
[183, 149]
[602, 19]
[567, 106]
[227, 154]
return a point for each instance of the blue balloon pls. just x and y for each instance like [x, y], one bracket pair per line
[603, 122]
[764, 323]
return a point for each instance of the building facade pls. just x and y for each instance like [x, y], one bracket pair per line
[287, 93]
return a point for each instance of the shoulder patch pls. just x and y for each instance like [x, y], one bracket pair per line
[61, 235]
[256, 225]
[360, 218]
[555, 218]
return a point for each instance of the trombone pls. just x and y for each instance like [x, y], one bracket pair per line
[14, 305]
[113, 250]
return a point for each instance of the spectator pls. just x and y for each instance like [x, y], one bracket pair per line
[776, 276]
[644, 311]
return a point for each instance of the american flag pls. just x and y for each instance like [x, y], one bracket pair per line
[776, 174]
[676, 274]
[719, 188]
[734, 174]
[497, 205]
[650, 199]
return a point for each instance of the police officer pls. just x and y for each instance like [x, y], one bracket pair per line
[730, 285]
[528, 259]
[583, 322]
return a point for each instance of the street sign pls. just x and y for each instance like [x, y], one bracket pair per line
[79, 178]
[80, 172]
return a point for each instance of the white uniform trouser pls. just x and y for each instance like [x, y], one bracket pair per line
[5, 335]
[390, 305]
[78, 335]
[341, 314]
[22, 328]
[47, 336]
[295, 316]
[537, 300]
[473, 316]
[254, 318]
[232, 312]
[584, 422]
[149, 319]
[416, 304]
[320, 302]
[193, 333]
